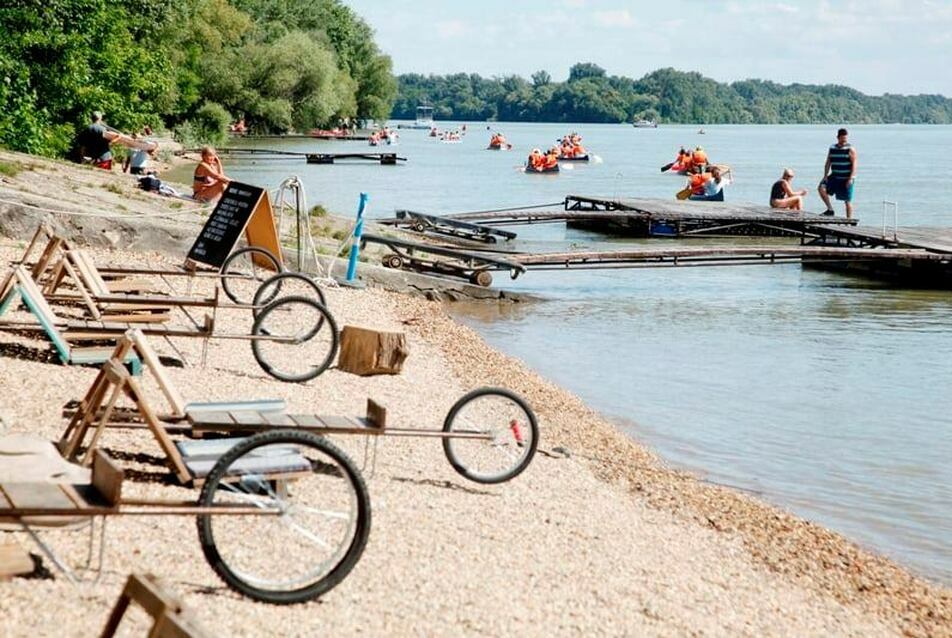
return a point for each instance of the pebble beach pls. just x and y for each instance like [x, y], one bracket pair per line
[598, 536]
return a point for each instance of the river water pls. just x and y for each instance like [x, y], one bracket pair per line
[826, 394]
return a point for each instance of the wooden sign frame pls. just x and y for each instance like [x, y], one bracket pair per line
[258, 227]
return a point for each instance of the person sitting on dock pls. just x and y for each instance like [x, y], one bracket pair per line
[712, 189]
[782, 194]
[209, 180]
[839, 174]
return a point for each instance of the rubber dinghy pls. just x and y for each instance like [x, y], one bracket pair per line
[574, 158]
[540, 170]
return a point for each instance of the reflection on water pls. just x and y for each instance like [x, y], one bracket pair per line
[830, 395]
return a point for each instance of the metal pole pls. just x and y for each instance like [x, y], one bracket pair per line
[300, 222]
[355, 245]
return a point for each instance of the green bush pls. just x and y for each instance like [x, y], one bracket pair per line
[211, 123]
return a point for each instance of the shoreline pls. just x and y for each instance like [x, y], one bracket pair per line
[780, 573]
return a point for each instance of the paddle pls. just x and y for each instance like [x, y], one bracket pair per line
[684, 193]
[667, 166]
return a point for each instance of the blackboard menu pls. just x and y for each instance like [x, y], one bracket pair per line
[225, 224]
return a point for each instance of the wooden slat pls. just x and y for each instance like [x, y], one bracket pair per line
[37, 495]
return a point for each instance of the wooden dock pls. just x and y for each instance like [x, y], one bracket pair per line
[387, 159]
[645, 217]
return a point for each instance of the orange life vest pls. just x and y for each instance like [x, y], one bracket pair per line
[700, 158]
[698, 181]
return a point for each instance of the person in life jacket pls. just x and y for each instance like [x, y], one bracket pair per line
[687, 163]
[536, 159]
[697, 180]
[677, 163]
[551, 158]
[699, 158]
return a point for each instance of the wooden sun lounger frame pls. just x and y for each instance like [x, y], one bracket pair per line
[61, 332]
[167, 612]
[98, 409]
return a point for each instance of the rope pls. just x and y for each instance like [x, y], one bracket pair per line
[89, 213]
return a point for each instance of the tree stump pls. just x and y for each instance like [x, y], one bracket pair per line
[365, 352]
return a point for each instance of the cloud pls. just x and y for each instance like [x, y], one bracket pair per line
[451, 29]
[620, 18]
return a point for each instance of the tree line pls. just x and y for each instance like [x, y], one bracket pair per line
[666, 95]
[192, 66]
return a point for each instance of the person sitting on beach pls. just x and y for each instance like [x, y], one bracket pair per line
[94, 142]
[782, 194]
[239, 127]
[137, 162]
[209, 181]
[712, 189]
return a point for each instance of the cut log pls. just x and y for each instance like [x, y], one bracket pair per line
[365, 352]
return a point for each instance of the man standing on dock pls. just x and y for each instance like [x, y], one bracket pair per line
[839, 174]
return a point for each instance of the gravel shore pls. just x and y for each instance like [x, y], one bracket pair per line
[596, 537]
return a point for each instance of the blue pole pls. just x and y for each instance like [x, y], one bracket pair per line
[358, 231]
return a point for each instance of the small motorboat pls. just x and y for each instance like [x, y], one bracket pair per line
[645, 124]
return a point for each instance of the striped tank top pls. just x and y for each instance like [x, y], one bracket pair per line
[841, 165]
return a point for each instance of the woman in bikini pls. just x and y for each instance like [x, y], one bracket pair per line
[209, 181]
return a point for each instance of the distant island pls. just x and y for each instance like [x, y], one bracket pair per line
[665, 95]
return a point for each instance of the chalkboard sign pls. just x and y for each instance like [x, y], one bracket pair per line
[226, 223]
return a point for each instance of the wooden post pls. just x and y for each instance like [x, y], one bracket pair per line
[366, 352]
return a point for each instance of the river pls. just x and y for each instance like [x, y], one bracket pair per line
[826, 394]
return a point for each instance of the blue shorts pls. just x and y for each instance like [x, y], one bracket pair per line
[838, 187]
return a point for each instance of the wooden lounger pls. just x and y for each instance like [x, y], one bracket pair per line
[98, 297]
[166, 610]
[62, 332]
[26, 289]
[189, 460]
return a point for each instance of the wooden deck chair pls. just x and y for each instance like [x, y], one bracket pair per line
[92, 290]
[91, 330]
[26, 289]
[190, 461]
[166, 610]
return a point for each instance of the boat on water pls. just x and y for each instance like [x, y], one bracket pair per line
[644, 124]
[574, 158]
[541, 170]
[424, 118]
[498, 142]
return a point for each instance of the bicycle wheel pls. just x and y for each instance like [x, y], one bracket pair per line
[246, 268]
[286, 284]
[313, 523]
[295, 339]
[496, 435]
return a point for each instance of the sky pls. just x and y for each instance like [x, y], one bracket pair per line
[876, 46]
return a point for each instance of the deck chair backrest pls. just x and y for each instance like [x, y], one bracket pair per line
[165, 609]
[37, 304]
[154, 365]
[89, 273]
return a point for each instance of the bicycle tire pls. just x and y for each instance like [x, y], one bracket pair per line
[258, 329]
[227, 283]
[237, 581]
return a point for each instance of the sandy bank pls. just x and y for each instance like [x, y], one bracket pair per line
[605, 540]
[602, 540]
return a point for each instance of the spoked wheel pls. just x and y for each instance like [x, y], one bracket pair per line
[246, 269]
[286, 284]
[496, 435]
[313, 522]
[295, 339]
